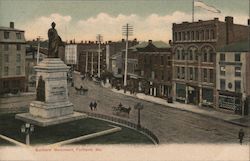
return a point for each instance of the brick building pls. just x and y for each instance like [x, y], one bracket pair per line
[232, 77]
[155, 67]
[194, 47]
[12, 59]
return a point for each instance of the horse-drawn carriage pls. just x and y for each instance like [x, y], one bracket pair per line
[81, 90]
[121, 110]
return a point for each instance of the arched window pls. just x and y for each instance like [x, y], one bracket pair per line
[192, 35]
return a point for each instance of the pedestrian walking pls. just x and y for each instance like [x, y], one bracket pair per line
[241, 135]
[95, 105]
[91, 106]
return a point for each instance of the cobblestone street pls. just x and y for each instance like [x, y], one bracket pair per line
[170, 125]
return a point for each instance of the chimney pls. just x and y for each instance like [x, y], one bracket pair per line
[12, 25]
[150, 41]
[229, 28]
[170, 42]
[135, 39]
[229, 20]
[70, 41]
[248, 22]
[123, 40]
[216, 19]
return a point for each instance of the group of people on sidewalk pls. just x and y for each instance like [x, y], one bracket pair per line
[93, 106]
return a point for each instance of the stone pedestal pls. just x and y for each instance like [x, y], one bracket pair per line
[55, 107]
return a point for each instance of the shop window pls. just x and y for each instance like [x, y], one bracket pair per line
[237, 85]
[207, 95]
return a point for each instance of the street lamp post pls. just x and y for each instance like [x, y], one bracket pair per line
[27, 129]
[38, 49]
[139, 107]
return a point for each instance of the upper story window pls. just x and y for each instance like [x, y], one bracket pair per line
[191, 73]
[188, 35]
[223, 70]
[162, 60]
[197, 35]
[18, 46]
[212, 34]
[237, 57]
[6, 71]
[182, 72]
[6, 47]
[237, 71]
[184, 36]
[18, 35]
[175, 36]
[18, 70]
[205, 75]
[192, 35]
[179, 36]
[190, 54]
[182, 55]
[202, 35]
[18, 58]
[207, 35]
[6, 35]
[6, 58]
[222, 57]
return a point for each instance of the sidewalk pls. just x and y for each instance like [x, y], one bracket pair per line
[230, 118]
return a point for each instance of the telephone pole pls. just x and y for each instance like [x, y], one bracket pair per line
[99, 38]
[38, 49]
[127, 30]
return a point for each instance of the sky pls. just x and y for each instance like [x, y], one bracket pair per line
[82, 20]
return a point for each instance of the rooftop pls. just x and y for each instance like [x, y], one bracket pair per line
[242, 46]
[157, 44]
[10, 29]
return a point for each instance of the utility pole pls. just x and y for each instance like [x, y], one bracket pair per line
[99, 39]
[127, 30]
[38, 49]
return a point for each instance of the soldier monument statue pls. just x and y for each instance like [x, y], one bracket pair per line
[52, 105]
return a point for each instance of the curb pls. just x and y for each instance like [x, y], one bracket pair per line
[227, 121]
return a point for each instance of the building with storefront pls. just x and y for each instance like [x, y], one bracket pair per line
[194, 62]
[232, 77]
[12, 59]
[155, 68]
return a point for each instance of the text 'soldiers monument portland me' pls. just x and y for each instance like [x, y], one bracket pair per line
[52, 105]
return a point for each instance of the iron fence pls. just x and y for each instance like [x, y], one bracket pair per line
[126, 123]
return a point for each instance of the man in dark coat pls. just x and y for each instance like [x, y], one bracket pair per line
[91, 106]
[241, 135]
[95, 105]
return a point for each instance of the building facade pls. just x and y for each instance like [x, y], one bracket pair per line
[232, 77]
[12, 59]
[194, 47]
[155, 67]
[71, 54]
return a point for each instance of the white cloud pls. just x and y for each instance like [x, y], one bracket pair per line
[40, 26]
[154, 26]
